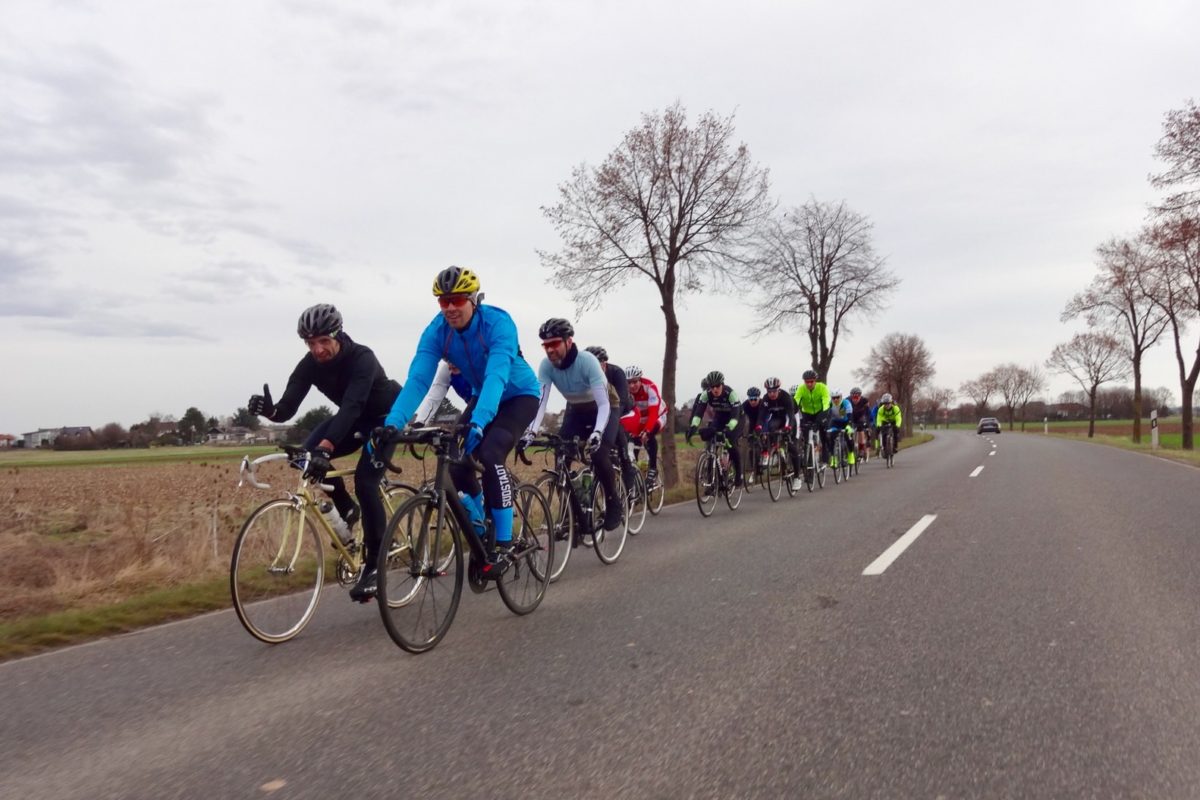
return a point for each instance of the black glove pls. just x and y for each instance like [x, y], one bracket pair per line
[260, 405]
[385, 434]
[690, 433]
[318, 464]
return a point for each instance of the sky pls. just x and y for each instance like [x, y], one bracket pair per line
[178, 182]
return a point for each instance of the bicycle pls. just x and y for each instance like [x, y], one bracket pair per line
[862, 439]
[756, 461]
[811, 462]
[656, 493]
[577, 504]
[421, 556]
[278, 567]
[775, 464]
[715, 475]
[841, 455]
[887, 443]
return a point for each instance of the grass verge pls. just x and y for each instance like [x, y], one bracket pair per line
[1170, 449]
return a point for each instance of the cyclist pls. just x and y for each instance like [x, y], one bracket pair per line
[750, 414]
[889, 414]
[350, 375]
[577, 374]
[861, 417]
[727, 412]
[619, 387]
[812, 404]
[481, 341]
[778, 412]
[841, 413]
[646, 419]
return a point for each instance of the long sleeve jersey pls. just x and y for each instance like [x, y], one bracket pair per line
[888, 414]
[727, 408]
[812, 401]
[354, 380]
[783, 408]
[581, 381]
[649, 407]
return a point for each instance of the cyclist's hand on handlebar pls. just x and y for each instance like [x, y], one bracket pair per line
[319, 463]
[260, 405]
[474, 437]
[690, 433]
[593, 442]
[526, 440]
[758, 428]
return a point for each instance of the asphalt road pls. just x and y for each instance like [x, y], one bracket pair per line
[1037, 639]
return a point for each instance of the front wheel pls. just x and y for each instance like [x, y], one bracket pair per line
[608, 544]
[277, 571]
[733, 489]
[773, 473]
[657, 494]
[420, 574]
[706, 483]
[524, 582]
[558, 497]
[638, 504]
[839, 458]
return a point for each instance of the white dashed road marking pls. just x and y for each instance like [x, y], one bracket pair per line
[978, 470]
[885, 560]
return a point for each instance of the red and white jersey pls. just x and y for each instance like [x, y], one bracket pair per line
[647, 409]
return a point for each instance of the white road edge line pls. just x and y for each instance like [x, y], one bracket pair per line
[885, 560]
[992, 453]
[978, 470]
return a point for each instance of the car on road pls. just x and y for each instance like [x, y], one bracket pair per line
[988, 425]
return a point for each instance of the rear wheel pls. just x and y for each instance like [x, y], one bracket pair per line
[277, 571]
[524, 582]
[706, 483]
[559, 501]
[420, 574]
[608, 544]
[657, 493]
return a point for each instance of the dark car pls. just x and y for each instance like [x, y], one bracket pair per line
[988, 425]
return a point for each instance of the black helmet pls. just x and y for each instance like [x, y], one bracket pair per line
[455, 280]
[556, 328]
[753, 393]
[809, 375]
[772, 383]
[715, 378]
[704, 383]
[599, 352]
[856, 392]
[319, 320]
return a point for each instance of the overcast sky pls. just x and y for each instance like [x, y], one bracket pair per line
[179, 181]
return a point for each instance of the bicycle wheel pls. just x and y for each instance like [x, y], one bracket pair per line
[788, 476]
[810, 466]
[773, 474]
[839, 457]
[395, 495]
[417, 597]
[733, 489]
[608, 544]
[821, 469]
[706, 483]
[559, 499]
[889, 447]
[277, 571]
[844, 461]
[638, 504]
[524, 582]
[656, 494]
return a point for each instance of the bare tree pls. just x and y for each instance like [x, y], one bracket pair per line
[1017, 385]
[933, 401]
[979, 390]
[1091, 359]
[1177, 240]
[816, 270]
[1120, 297]
[1179, 147]
[675, 203]
[900, 363]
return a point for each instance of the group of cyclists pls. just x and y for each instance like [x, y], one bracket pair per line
[472, 348]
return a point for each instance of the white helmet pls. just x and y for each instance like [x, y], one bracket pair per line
[887, 398]
[633, 373]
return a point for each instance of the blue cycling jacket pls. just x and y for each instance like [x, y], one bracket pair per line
[487, 354]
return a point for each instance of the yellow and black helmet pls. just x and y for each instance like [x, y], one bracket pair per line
[455, 280]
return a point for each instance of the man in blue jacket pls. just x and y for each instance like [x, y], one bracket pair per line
[481, 341]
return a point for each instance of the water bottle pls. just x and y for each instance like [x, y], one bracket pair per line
[475, 511]
[337, 523]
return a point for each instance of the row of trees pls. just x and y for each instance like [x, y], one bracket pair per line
[684, 206]
[1147, 286]
[191, 428]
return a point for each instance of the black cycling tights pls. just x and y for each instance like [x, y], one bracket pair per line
[513, 416]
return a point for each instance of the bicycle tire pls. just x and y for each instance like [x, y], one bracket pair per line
[559, 500]
[523, 584]
[733, 489]
[638, 504]
[608, 544]
[657, 494]
[774, 476]
[706, 483]
[787, 475]
[839, 457]
[417, 601]
[276, 571]
[810, 466]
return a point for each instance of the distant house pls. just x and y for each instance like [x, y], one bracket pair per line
[7, 440]
[236, 434]
[44, 437]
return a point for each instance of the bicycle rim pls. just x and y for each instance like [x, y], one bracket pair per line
[277, 570]
[838, 456]
[608, 544]
[733, 490]
[559, 500]
[638, 505]
[657, 495]
[774, 477]
[706, 484]
[420, 574]
[524, 582]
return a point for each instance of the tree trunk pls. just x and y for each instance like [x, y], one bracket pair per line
[667, 452]
[1189, 387]
[1137, 399]
[1092, 412]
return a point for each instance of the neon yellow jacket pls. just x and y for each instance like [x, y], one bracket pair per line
[812, 401]
[883, 415]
